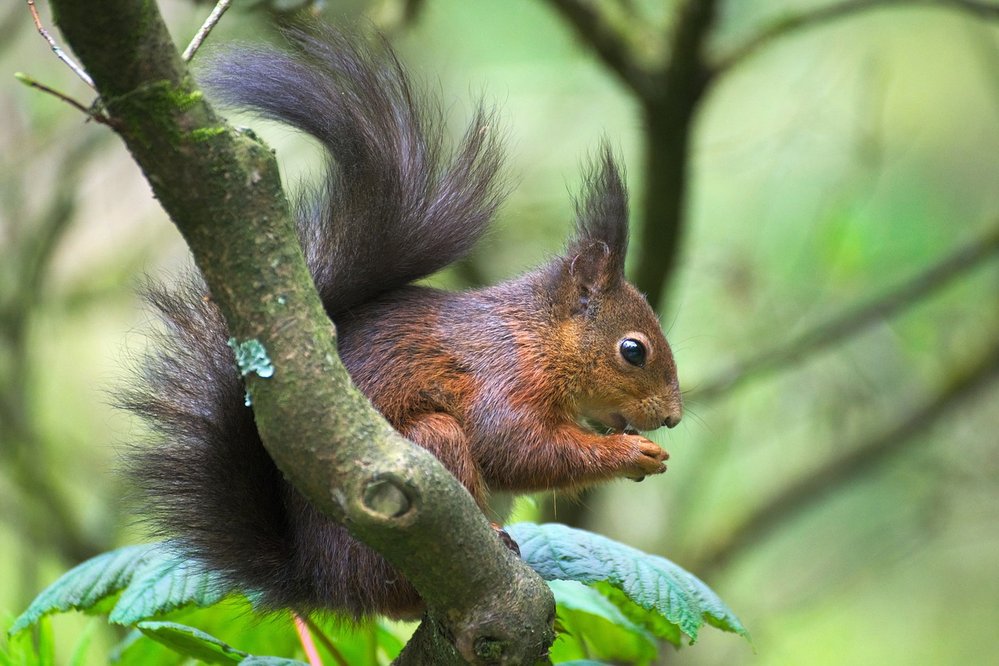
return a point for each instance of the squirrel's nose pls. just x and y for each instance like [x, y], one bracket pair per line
[673, 419]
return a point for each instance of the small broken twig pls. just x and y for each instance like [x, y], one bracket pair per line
[206, 28]
[58, 51]
[89, 111]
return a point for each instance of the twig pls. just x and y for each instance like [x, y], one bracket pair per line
[835, 11]
[861, 459]
[90, 112]
[935, 277]
[55, 47]
[206, 28]
[318, 632]
[305, 638]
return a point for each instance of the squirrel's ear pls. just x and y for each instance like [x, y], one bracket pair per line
[593, 269]
[595, 255]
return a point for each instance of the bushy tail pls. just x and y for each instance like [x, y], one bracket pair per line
[395, 205]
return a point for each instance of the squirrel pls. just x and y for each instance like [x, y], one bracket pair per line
[506, 384]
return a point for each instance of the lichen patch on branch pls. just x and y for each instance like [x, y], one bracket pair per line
[251, 357]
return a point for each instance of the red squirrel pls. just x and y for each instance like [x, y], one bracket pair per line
[503, 384]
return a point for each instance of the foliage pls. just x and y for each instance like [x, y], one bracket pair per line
[614, 602]
[649, 589]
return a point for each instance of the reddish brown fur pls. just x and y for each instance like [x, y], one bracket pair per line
[495, 381]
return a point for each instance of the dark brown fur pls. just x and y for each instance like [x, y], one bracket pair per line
[495, 382]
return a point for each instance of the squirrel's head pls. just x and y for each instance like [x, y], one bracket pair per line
[627, 376]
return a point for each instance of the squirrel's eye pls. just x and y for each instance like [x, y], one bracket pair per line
[633, 351]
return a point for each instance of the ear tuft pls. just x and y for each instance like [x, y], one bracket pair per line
[596, 252]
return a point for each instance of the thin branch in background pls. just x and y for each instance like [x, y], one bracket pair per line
[55, 47]
[859, 460]
[609, 40]
[90, 112]
[835, 11]
[853, 321]
[220, 7]
[412, 10]
[24, 453]
[469, 270]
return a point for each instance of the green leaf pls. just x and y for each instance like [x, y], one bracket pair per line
[271, 661]
[387, 641]
[165, 582]
[118, 649]
[17, 650]
[84, 586]
[46, 642]
[575, 596]
[654, 583]
[79, 657]
[152, 579]
[192, 642]
[650, 620]
[598, 628]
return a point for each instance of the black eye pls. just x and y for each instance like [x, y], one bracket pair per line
[633, 351]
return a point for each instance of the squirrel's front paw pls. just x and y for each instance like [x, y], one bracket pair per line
[647, 457]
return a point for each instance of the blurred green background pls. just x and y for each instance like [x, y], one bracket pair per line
[834, 165]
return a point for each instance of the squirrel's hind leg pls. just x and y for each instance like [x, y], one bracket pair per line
[443, 436]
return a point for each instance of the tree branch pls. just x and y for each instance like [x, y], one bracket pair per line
[611, 40]
[836, 11]
[669, 121]
[932, 279]
[222, 190]
[859, 460]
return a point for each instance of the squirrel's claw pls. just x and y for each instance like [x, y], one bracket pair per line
[648, 458]
[506, 538]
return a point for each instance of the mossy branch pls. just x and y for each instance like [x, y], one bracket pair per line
[222, 190]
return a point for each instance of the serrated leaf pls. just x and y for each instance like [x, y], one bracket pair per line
[151, 578]
[165, 582]
[558, 552]
[575, 596]
[598, 628]
[86, 585]
[192, 642]
[650, 620]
